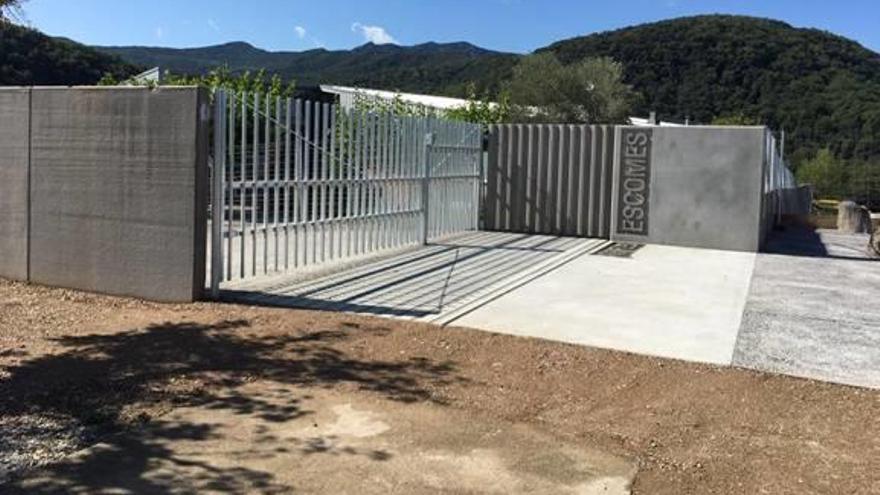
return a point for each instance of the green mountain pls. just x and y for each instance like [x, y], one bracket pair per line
[29, 57]
[444, 68]
[823, 89]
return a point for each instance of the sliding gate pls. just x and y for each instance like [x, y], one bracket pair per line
[297, 183]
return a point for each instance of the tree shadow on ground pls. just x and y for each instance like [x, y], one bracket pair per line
[109, 382]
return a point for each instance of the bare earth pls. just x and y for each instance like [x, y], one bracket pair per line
[77, 368]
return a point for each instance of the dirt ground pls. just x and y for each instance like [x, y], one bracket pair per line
[108, 363]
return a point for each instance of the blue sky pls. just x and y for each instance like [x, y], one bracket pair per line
[507, 25]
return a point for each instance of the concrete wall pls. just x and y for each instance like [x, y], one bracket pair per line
[689, 186]
[550, 179]
[14, 159]
[118, 190]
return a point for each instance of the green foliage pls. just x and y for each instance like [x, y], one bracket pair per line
[590, 90]
[826, 173]
[836, 178]
[475, 110]
[28, 57]
[369, 104]
[738, 118]
[247, 82]
[480, 110]
[823, 89]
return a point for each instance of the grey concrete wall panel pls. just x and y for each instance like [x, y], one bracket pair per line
[14, 163]
[549, 179]
[116, 190]
[706, 187]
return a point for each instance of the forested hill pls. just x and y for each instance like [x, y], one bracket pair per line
[29, 57]
[438, 68]
[822, 88]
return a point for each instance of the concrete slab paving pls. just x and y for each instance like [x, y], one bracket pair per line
[335, 443]
[674, 302]
[814, 309]
[431, 283]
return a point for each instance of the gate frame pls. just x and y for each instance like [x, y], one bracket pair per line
[398, 157]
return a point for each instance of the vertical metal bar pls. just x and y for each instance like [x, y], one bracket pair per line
[314, 176]
[592, 229]
[369, 167]
[230, 180]
[325, 165]
[308, 205]
[383, 188]
[349, 187]
[242, 188]
[275, 180]
[288, 131]
[426, 182]
[365, 184]
[480, 177]
[254, 164]
[298, 180]
[332, 173]
[217, 201]
[265, 184]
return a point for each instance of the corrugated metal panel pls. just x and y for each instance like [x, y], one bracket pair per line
[550, 179]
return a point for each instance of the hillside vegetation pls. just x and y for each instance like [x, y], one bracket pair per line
[434, 68]
[29, 57]
[823, 89]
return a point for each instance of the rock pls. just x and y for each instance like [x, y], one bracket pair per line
[853, 219]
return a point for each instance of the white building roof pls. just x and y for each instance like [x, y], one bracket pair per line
[347, 94]
[441, 102]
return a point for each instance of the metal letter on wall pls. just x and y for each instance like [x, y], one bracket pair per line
[633, 209]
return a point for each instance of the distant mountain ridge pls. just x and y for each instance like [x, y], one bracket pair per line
[428, 67]
[823, 89]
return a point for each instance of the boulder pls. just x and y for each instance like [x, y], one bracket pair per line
[853, 219]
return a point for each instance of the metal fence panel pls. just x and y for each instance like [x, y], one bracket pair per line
[300, 184]
[550, 179]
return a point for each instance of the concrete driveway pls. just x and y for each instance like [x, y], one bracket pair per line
[807, 307]
[666, 301]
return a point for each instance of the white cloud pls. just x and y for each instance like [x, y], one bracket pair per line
[159, 32]
[213, 25]
[374, 34]
[300, 31]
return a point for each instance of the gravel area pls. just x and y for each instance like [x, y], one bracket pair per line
[32, 440]
[76, 367]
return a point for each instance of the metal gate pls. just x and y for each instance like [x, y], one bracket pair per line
[550, 179]
[297, 183]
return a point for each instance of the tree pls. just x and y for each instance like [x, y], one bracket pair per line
[590, 91]
[481, 110]
[10, 10]
[826, 173]
[738, 118]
